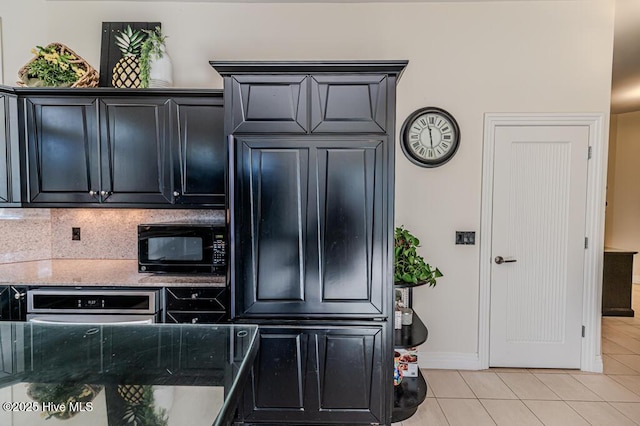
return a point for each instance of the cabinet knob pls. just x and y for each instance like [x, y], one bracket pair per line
[92, 193]
[18, 295]
[105, 193]
[194, 320]
[194, 295]
[176, 194]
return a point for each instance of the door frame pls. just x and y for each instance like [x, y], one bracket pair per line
[590, 358]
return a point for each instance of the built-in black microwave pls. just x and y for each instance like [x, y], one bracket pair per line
[183, 248]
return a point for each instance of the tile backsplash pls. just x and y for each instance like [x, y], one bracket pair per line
[33, 234]
[25, 234]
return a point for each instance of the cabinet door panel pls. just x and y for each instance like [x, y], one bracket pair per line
[269, 104]
[134, 150]
[276, 390]
[287, 267]
[9, 153]
[273, 187]
[200, 151]
[349, 104]
[349, 363]
[4, 144]
[62, 143]
[320, 375]
[349, 195]
[347, 229]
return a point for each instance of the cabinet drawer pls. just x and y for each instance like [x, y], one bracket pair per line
[355, 103]
[262, 104]
[196, 299]
[196, 317]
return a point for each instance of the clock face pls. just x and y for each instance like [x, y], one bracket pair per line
[430, 137]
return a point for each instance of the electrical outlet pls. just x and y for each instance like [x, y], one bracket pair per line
[75, 234]
[465, 237]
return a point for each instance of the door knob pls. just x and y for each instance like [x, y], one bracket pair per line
[500, 260]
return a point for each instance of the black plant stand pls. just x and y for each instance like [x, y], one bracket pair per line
[412, 391]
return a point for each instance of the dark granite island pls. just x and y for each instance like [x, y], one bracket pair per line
[118, 374]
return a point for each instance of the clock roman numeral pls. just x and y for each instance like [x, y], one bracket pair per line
[415, 145]
[432, 120]
[447, 136]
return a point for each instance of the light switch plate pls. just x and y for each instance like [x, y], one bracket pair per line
[466, 237]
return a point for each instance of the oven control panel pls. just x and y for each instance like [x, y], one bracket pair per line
[52, 300]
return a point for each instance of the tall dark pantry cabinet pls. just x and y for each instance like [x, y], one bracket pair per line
[311, 216]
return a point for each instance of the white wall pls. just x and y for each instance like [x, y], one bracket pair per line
[623, 211]
[466, 57]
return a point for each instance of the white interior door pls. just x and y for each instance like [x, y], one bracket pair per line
[538, 246]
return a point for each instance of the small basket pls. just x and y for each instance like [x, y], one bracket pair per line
[89, 79]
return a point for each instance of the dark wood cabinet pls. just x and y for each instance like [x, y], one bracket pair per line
[328, 376]
[199, 151]
[311, 213]
[111, 148]
[13, 303]
[134, 157]
[617, 282]
[268, 103]
[196, 305]
[310, 240]
[349, 103]
[63, 151]
[9, 154]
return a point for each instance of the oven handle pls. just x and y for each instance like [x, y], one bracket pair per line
[73, 322]
[65, 319]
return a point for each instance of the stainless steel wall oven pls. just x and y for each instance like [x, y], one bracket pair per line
[82, 305]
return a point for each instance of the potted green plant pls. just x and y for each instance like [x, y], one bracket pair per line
[155, 64]
[410, 267]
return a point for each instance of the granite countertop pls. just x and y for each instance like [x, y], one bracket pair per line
[97, 272]
[179, 373]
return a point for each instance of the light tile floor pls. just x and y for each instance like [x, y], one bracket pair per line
[514, 397]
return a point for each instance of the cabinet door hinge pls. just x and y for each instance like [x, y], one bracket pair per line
[589, 153]
[583, 331]
[586, 242]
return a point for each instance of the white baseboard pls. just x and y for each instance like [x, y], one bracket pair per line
[449, 360]
[636, 279]
[471, 361]
[597, 365]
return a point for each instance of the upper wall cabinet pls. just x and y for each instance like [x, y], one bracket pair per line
[124, 148]
[199, 150]
[309, 104]
[134, 150]
[9, 155]
[270, 104]
[356, 103]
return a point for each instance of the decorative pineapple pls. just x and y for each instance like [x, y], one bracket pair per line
[126, 73]
[140, 408]
[133, 394]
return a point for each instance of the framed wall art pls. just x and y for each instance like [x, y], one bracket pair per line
[118, 38]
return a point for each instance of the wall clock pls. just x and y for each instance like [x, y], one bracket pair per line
[430, 137]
